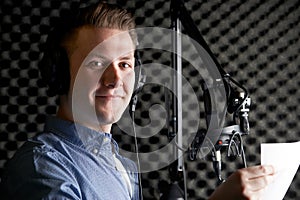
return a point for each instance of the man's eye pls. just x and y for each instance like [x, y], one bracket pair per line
[125, 65]
[95, 64]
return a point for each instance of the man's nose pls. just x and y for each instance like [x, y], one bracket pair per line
[111, 76]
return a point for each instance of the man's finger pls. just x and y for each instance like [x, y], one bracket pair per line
[258, 171]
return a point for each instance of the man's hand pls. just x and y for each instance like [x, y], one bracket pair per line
[247, 183]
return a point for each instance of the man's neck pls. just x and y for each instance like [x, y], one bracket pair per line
[65, 112]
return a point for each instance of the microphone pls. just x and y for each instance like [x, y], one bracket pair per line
[238, 104]
[243, 114]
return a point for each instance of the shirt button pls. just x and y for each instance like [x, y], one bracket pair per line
[95, 151]
[106, 140]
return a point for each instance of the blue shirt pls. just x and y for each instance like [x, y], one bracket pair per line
[69, 161]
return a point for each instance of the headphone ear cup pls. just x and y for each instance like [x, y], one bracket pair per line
[61, 72]
[138, 71]
[140, 80]
[54, 68]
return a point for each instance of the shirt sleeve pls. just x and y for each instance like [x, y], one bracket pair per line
[39, 173]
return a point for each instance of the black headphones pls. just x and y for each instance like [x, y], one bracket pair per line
[54, 65]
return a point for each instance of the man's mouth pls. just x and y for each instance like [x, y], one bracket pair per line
[108, 96]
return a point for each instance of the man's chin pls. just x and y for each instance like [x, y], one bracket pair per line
[107, 120]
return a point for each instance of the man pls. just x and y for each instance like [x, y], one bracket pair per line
[75, 157]
[81, 161]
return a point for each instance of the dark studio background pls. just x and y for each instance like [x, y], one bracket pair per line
[257, 42]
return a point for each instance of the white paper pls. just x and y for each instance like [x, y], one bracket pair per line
[285, 157]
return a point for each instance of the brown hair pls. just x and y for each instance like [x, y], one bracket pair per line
[100, 15]
[105, 15]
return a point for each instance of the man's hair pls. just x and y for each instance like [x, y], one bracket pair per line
[103, 15]
[54, 65]
[107, 16]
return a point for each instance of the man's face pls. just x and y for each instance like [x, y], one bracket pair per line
[102, 76]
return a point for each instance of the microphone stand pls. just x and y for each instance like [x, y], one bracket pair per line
[237, 103]
[177, 171]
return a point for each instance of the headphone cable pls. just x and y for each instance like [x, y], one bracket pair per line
[137, 155]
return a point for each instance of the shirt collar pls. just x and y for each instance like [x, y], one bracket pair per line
[80, 135]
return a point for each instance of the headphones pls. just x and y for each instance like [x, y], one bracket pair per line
[55, 70]
[54, 65]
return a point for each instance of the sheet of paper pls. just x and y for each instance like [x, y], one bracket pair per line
[285, 157]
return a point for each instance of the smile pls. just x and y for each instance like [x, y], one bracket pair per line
[108, 96]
